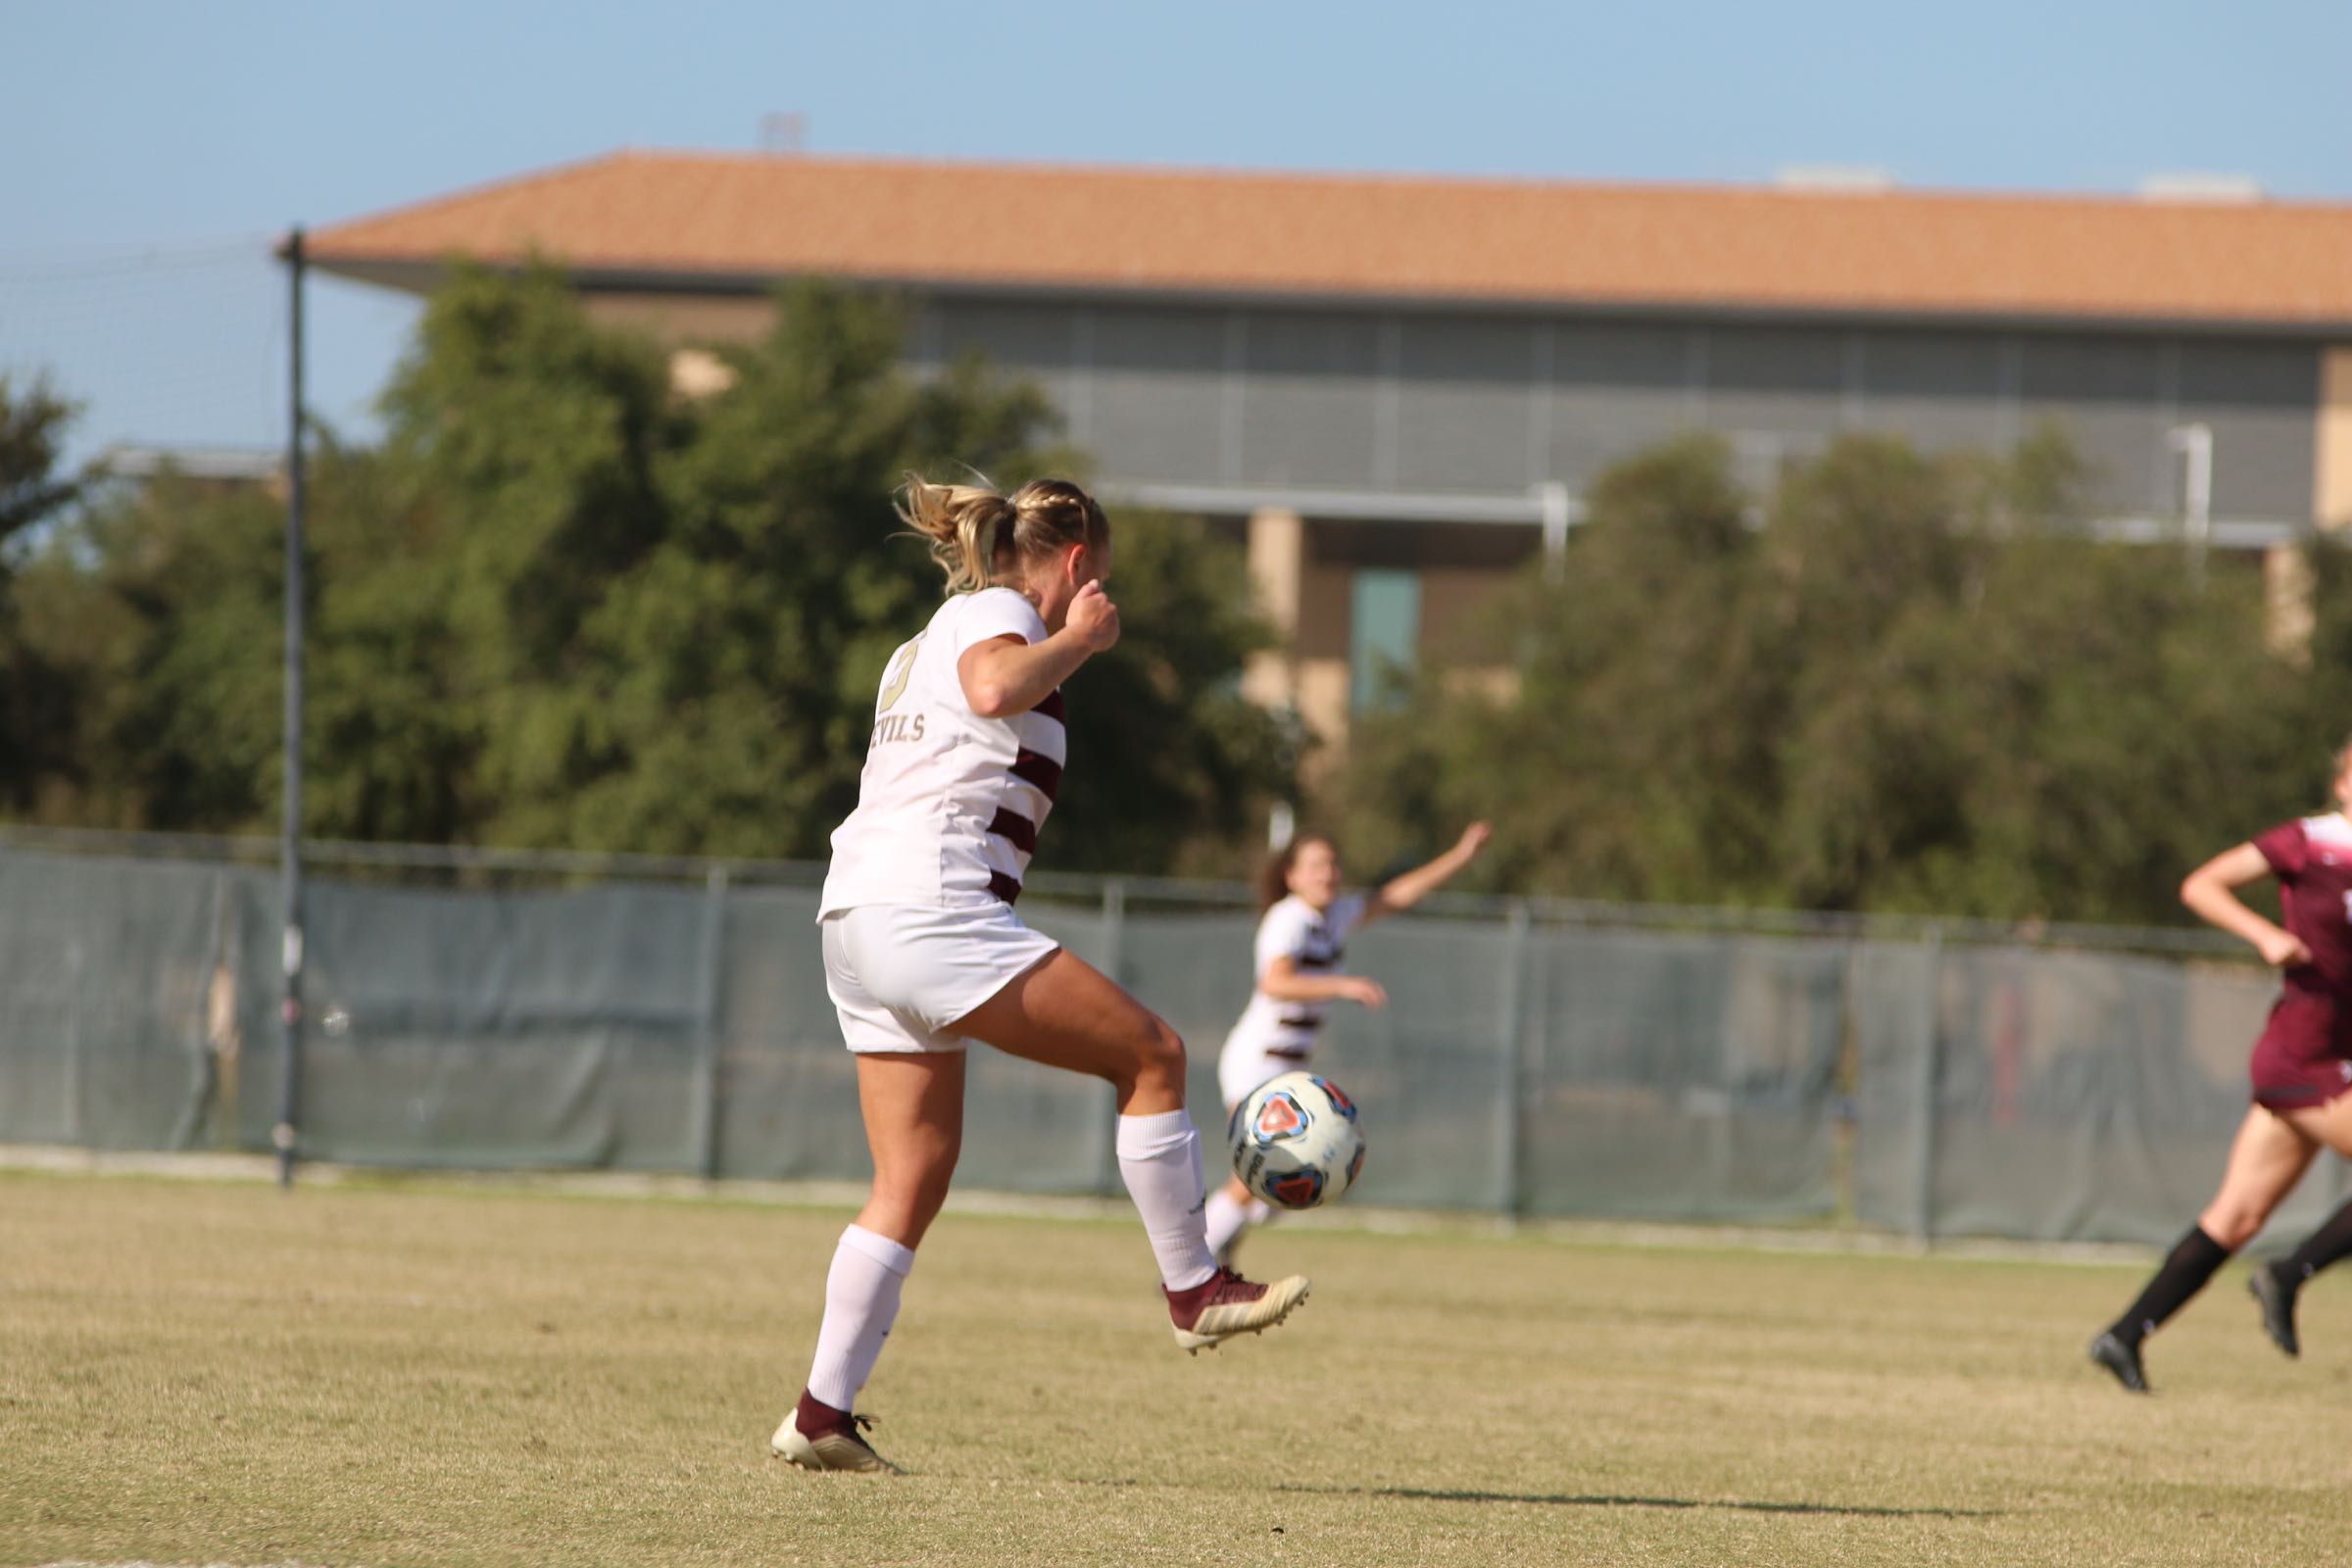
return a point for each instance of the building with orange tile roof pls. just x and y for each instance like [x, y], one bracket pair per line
[1397, 387]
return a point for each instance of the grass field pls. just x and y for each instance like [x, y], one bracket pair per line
[431, 1374]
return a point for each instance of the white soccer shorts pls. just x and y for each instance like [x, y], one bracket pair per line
[901, 975]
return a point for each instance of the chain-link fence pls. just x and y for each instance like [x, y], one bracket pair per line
[1541, 1058]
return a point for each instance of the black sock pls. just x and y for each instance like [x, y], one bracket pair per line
[2319, 1249]
[2187, 1267]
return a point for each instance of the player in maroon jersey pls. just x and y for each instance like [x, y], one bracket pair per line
[2301, 1071]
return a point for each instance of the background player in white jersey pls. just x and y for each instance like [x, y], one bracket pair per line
[922, 950]
[1301, 946]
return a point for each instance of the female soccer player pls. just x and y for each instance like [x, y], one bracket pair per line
[2301, 1070]
[922, 950]
[1300, 943]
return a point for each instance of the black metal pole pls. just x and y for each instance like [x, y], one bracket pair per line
[290, 1093]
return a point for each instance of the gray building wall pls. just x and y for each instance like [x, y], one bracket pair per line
[1439, 404]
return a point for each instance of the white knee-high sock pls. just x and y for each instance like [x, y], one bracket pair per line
[861, 1302]
[1159, 1159]
[1227, 1219]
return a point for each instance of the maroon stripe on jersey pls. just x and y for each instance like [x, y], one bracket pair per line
[1050, 707]
[1032, 767]
[1015, 829]
[1004, 887]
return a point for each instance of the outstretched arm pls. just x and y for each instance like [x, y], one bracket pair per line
[1404, 892]
[2211, 889]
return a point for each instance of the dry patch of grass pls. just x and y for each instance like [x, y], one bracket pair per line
[436, 1375]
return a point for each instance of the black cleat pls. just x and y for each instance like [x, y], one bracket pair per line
[2120, 1359]
[2277, 1298]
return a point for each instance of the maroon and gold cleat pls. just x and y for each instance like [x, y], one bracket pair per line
[817, 1437]
[1226, 1304]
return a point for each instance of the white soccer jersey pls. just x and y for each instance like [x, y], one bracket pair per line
[949, 802]
[1315, 944]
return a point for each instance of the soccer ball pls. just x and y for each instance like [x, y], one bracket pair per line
[1296, 1142]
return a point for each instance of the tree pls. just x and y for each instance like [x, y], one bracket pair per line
[1638, 695]
[563, 605]
[393, 727]
[735, 663]
[33, 422]
[520, 490]
[1917, 686]
[36, 698]
[159, 606]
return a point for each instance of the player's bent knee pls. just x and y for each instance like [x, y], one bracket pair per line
[1162, 1053]
[2232, 1227]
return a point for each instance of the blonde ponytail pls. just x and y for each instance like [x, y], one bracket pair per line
[979, 537]
[964, 524]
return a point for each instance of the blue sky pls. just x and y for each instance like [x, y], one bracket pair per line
[156, 148]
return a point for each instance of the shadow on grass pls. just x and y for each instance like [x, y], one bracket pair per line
[1558, 1500]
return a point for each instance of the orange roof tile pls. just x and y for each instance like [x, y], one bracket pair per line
[1395, 237]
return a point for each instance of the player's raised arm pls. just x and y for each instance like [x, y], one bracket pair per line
[1008, 676]
[1404, 892]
